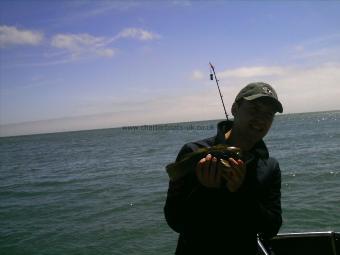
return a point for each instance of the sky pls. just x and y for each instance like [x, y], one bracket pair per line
[77, 65]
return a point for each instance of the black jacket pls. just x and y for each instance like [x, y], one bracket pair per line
[216, 221]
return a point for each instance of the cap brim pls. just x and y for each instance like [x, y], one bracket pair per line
[275, 102]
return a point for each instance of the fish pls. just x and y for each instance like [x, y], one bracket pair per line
[187, 164]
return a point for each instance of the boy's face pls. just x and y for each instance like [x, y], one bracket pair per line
[253, 119]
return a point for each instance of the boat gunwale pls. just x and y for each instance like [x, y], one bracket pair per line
[307, 234]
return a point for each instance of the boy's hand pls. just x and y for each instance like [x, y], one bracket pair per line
[233, 171]
[207, 172]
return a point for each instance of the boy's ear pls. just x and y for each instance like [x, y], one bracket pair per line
[234, 109]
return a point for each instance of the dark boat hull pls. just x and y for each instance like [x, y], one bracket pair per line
[309, 243]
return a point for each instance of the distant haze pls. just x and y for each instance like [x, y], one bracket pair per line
[75, 65]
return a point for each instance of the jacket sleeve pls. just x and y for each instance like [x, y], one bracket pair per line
[178, 192]
[269, 202]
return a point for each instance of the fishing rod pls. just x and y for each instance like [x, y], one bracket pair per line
[212, 75]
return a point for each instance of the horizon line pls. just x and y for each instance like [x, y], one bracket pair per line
[120, 126]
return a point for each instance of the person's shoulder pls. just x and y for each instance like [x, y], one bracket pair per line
[269, 164]
[271, 161]
[268, 169]
[193, 146]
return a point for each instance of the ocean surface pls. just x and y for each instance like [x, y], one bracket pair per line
[103, 191]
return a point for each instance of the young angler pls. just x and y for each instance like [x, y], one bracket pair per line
[220, 209]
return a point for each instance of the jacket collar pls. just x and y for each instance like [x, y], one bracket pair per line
[259, 150]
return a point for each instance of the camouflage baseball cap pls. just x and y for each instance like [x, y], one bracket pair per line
[259, 89]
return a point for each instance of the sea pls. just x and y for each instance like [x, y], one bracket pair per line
[103, 191]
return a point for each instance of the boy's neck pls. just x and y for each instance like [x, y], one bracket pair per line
[233, 139]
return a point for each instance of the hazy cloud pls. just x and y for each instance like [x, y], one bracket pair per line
[185, 3]
[299, 90]
[80, 44]
[106, 52]
[249, 72]
[75, 45]
[87, 9]
[86, 44]
[137, 33]
[197, 75]
[319, 49]
[310, 89]
[10, 35]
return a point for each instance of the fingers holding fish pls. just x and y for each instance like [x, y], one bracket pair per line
[207, 172]
[239, 167]
[239, 172]
[199, 169]
[215, 173]
[206, 168]
[233, 174]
